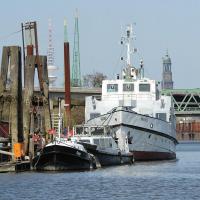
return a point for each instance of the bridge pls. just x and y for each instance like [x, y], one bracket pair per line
[187, 110]
[186, 101]
[78, 94]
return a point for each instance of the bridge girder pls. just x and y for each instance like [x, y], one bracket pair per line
[186, 102]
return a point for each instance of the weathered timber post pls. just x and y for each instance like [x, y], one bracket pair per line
[46, 107]
[29, 71]
[11, 100]
[37, 118]
[16, 96]
[4, 69]
[3, 80]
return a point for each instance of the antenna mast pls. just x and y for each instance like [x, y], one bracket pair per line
[130, 71]
[50, 52]
[126, 40]
[50, 56]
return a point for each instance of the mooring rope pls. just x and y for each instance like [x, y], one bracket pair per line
[9, 35]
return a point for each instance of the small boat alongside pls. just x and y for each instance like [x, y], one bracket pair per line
[62, 155]
[107, 150]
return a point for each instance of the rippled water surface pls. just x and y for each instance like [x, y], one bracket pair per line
[178, 179]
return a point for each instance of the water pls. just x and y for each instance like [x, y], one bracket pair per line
[178, 179]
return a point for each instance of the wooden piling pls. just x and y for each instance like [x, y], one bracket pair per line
[4, 69]
[11, 106]
[16, 92]
[46, 106]
[29, 113]
[29, 72]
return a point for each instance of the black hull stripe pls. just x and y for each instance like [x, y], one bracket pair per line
[148, 130]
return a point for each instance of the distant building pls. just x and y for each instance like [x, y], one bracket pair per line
[167, 82]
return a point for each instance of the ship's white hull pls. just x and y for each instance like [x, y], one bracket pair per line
[147, 144]
[149, 138]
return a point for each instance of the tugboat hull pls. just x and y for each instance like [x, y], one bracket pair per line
[62, 158]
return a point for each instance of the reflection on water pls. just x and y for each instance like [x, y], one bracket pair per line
[178, 179]
[189, 146]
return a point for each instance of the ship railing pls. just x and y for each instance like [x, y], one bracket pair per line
[189, 109]
[127, 96]
[55, 121]
[91, 130]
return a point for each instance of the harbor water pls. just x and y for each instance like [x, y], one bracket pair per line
[178, 179]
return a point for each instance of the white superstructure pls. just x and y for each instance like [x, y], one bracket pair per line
[133, 107]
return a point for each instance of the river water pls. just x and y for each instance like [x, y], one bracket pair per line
[178, 179]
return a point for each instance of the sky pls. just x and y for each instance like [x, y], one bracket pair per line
[159, 25]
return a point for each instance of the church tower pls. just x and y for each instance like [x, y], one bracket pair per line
[167, 82]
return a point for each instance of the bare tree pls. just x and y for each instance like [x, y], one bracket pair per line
[94, 80]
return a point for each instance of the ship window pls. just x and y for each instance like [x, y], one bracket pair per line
[128, 87]
[112, 88]
[144, 87]
[161, 116]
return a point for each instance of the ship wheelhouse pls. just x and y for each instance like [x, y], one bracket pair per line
[139, 94]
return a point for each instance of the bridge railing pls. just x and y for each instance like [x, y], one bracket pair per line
[190, 109]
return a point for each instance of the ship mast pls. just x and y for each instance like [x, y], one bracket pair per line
[59, 118]
[129, 33]
[129, 72]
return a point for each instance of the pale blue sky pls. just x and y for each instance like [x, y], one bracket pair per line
[160, 25]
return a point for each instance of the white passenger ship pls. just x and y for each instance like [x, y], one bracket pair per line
[132, 106]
